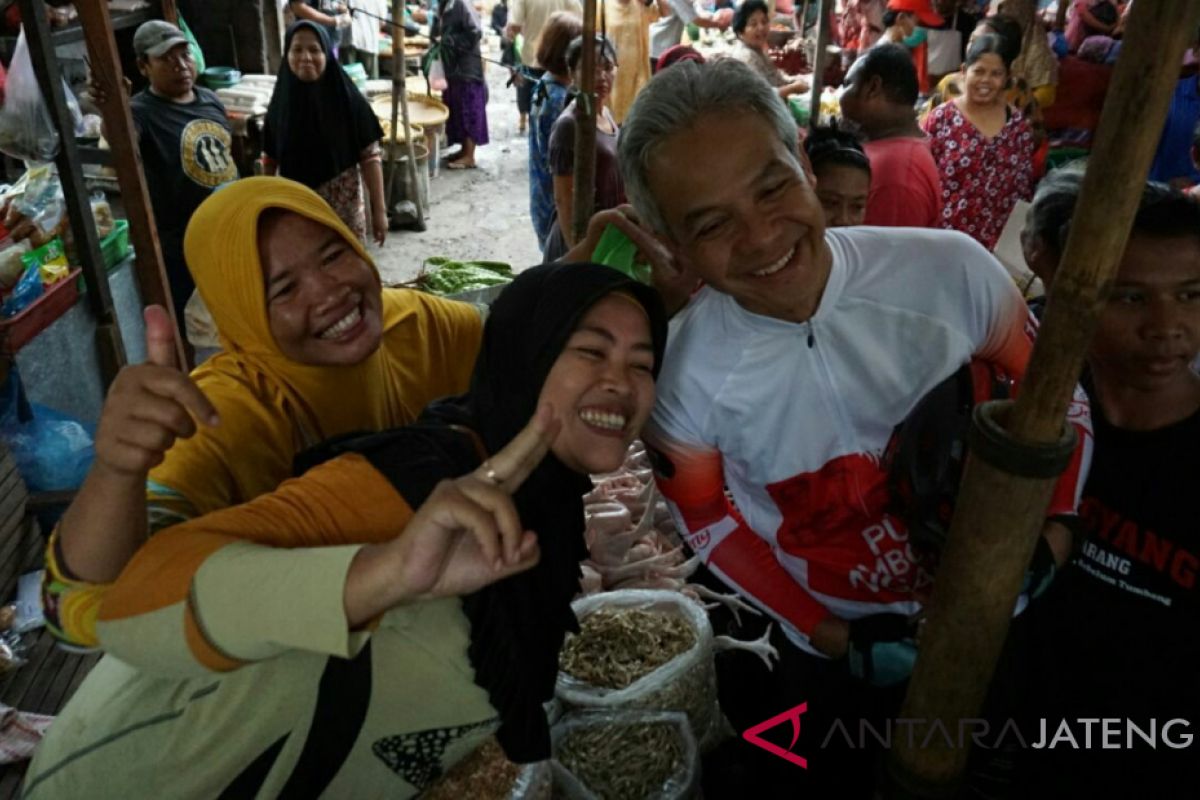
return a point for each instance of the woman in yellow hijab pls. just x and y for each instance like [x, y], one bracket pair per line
[312, 348]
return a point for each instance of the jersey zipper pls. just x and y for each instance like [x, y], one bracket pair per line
[835, 402]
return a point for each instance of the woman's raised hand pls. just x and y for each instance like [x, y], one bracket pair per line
[465, 535]
[149, 406]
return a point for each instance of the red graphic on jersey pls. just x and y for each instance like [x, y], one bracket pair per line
[792, 715]
[847, 493]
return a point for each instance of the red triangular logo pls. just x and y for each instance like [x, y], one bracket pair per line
[751, 735]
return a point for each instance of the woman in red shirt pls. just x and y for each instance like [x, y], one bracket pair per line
[983, 148]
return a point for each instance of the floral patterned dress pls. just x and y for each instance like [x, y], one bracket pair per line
[344, 193]
[982, 178]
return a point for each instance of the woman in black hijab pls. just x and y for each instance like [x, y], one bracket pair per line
[367, 624]
[321, 131]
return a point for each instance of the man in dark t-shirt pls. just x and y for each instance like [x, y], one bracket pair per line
[1118, 634]
[185, 142]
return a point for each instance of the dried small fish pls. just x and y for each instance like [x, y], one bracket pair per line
[616, 647]
[619, 762]
[484, 775]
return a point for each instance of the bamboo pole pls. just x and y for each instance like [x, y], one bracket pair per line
[584, 178]
[400, 106]
[820, 61]
[1000, 515]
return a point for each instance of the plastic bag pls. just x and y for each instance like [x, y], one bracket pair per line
[435, 70]
[486, 774]
[27, 129]
[193, 45]
[37, 198]
[11, 265]
[53, 451]
[687, 683]
[618, 251]
[601, 755]
[28, 289]
[536, 782]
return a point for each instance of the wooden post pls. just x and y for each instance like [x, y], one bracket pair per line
[584, 196]
[122, 139]
[169, 12]
[820, 60]
[400, 107]
[1000, 515]
[273, 33]
[78, 205]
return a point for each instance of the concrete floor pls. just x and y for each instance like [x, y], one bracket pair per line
[475, 214]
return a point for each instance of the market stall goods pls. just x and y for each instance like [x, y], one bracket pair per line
[616, 647]
[487, 775]
[632, 539]
[447, 278]
[620, 756]
[645, 649]
[424, 110]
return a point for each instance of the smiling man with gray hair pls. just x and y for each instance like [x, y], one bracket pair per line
[783, 380]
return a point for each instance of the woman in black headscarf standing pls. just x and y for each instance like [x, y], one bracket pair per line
[320, 131]
[466, 94]
[364, 626]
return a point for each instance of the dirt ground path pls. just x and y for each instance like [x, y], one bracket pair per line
[475, 214]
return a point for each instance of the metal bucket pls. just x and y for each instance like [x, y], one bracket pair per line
[402, 187]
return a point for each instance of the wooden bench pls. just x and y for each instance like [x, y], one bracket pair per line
[50, 676]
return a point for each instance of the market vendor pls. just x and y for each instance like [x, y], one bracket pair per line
[752, 26]
[983, 148]
[320, 131]
[783, 381]
[367, 625]
[185, 142]
[312, 348]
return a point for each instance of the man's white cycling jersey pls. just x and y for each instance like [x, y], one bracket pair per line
[794, 418]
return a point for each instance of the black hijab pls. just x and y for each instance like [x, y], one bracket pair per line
[315, 131]
[518, 624]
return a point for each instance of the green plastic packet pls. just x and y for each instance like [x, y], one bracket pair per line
[618, 251]
[193, 45]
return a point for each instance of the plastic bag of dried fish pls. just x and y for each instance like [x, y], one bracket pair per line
[487, 774]
[625, 755]
[643, 649]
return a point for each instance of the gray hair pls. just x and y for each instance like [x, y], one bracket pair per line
[1049, 216]
[674, 100]
[1162, 210]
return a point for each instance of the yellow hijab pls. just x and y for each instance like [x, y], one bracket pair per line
[272, 407]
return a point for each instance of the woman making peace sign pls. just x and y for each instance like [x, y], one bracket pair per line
[366, 625]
